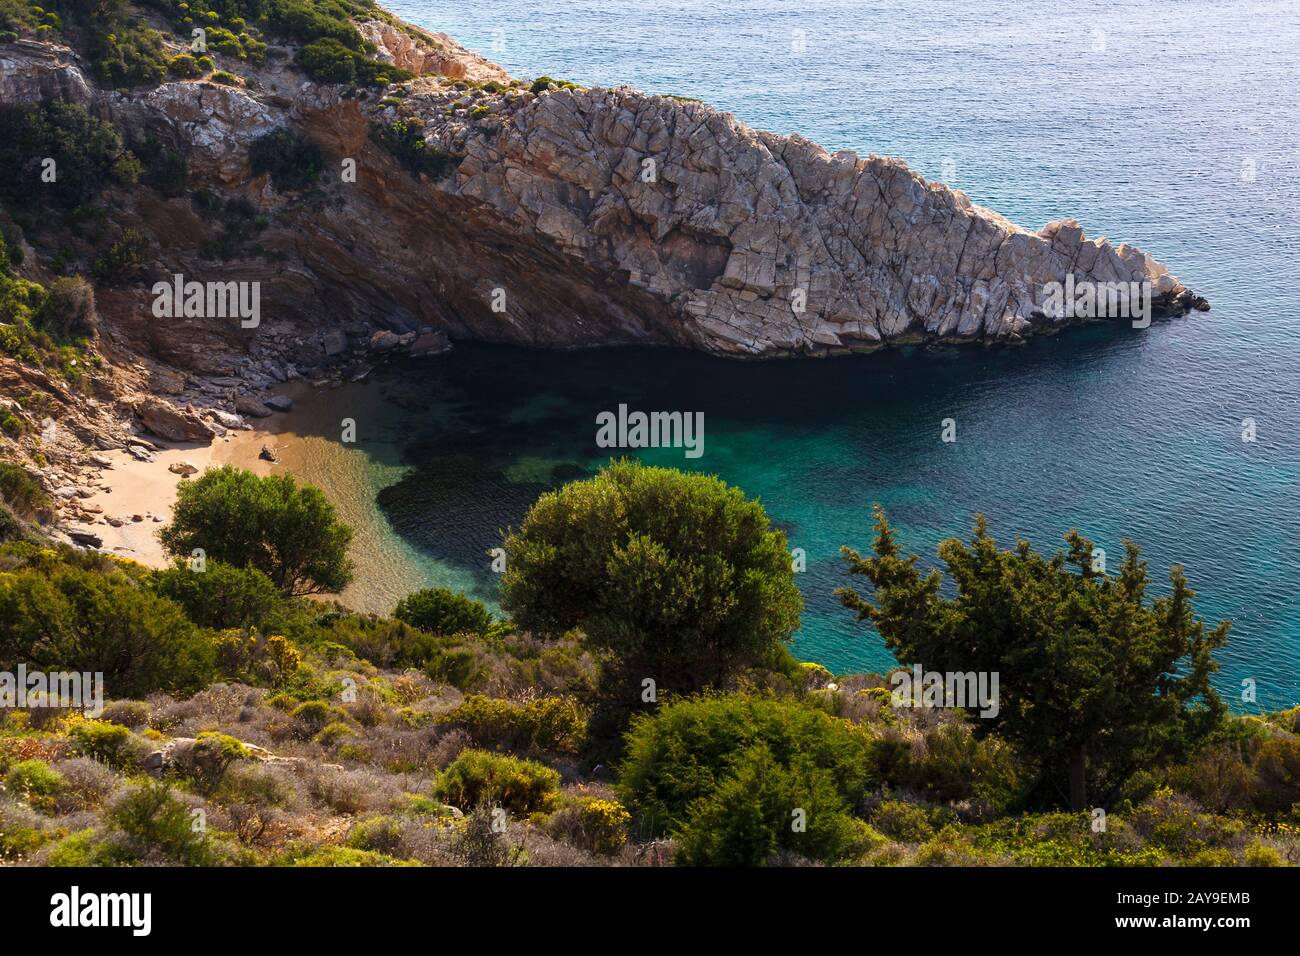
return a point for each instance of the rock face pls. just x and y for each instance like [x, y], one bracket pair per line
[428, 53]
[564, 218]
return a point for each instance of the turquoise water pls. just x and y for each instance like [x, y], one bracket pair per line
[1173, 127]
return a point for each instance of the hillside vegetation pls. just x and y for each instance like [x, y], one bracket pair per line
[246, 725]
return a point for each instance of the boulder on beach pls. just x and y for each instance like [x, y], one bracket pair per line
[183, 468]
[279, 403]
[165, 420]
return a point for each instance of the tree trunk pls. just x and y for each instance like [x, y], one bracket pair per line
[1078, 778]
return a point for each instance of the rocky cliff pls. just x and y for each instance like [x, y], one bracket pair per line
[547, 215]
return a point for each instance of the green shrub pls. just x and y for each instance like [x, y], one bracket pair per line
[152, 821]
[124, 259]
[678, 575]
[690, 747]
[333, 732]
[764, 807]
[36, 782]
[184, 66]
[221, 596]
[327, 61]
[62, 617]
[905, 822]
[68, 312]
[23, 493]
[348, 856]
[443, 611]
[314, 714]
[89, 156]
[479, 777]
[101, 741]
[404, 138]
[377, 834]
[548, 723]
[1276, 787]
[1260, 854]
[293, 161]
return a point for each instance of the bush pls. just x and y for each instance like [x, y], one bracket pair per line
[404, 138]
[36, 782]
[378, 834]
[763, 808]
[124, 258]
[293, 161]
[347, 856]
[221, 596]
[689, 748]
[68, 311]
[290, 533]
[23, 493]
[443, 611]
[327, 61]
[100, 741]
[88, 153]
[679, 575]
[1276, 787]
[313, 714]
[598, 826]
[905, 822]
[68, 618]
[548, 723]
[479, 777]
[152, 821]
[184, 67]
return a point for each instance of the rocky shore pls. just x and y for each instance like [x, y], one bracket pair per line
[551, 216]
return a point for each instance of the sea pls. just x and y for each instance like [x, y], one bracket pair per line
[1172, 125]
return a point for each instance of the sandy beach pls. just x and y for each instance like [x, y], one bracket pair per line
[132, 499]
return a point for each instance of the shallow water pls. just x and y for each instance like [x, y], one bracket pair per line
[1174, 128]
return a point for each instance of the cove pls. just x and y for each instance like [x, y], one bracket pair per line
[1062, 432]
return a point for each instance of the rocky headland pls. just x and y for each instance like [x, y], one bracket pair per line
[460, 203]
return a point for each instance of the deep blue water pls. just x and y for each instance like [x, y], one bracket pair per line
[1169, 125]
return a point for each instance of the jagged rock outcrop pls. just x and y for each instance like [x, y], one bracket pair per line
[567, 218]
[428, 53]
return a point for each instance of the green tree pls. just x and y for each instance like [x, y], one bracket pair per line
[290, 533]
[678, 575]
[1095, 682]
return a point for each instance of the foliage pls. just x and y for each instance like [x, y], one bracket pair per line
[1095, 682]
[23, 493]
[690, 747]
[88, 153]
[678, 575]
[478, 777]
[443, 611]
[64, 617]
[293, 161]
[220, 596]
[763, 807]
[290, 533]
[546, 724]
[404, 138]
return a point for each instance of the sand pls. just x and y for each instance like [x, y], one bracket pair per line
[144, 489]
